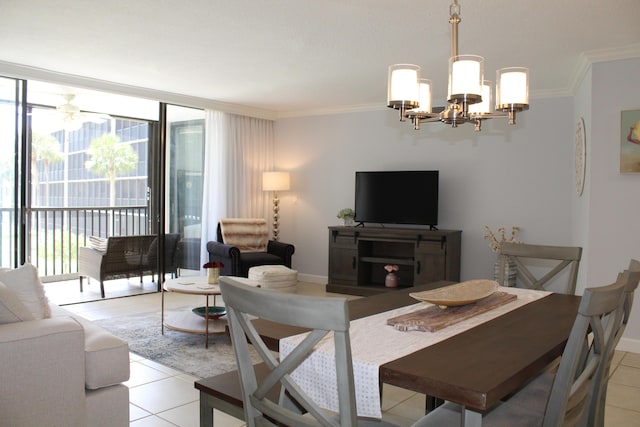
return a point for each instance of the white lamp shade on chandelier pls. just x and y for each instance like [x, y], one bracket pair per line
[512, 87]
[469, 95]
[403, 85]
[466, 73]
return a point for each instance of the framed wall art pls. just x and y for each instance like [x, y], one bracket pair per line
[630, 141]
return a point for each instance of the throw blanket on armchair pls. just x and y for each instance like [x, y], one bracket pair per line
[247, 234]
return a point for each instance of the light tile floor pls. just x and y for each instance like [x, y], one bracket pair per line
[161, 396]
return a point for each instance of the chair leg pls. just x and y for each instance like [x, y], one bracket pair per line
[102, 288]
[80, 277]
[432, 403]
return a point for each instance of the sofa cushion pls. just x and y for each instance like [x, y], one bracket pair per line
[106, 356]
[11, 309]
[25, 283]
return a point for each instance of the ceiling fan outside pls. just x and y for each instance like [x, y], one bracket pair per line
[73, 117]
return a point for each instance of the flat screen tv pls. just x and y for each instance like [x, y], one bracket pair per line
[397, 197]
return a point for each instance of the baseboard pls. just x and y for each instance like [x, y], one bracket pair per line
[628, 344]
[312, 278]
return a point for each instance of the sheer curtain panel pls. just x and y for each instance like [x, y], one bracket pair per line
[237, 150]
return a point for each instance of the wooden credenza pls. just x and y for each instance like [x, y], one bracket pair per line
[357, 256]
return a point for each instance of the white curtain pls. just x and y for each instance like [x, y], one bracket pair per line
[237, 150]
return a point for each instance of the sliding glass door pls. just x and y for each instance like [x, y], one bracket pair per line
[184, 178]
[11, 94]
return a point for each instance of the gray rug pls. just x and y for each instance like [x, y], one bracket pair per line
[178, 350]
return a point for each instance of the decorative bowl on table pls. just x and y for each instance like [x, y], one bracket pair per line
[459, 294]
[214, 312]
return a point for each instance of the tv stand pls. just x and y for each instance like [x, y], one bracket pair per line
[357, 256]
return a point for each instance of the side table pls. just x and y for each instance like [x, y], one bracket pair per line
[187, 321]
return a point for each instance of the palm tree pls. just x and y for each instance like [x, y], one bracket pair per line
[110, 158]
[46, 149]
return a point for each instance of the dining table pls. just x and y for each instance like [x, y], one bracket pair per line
[475, 368]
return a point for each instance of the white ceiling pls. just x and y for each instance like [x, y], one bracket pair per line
[295, 56]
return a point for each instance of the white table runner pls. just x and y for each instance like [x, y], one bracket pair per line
[374, 343]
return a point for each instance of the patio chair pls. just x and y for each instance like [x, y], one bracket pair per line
[320, 314]
[528, 258]
[568, 402]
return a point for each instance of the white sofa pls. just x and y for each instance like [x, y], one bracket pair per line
[56, 369]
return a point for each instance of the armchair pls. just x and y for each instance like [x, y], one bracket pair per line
[243, 243]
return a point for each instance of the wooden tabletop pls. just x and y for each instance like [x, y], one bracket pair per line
[486, 363]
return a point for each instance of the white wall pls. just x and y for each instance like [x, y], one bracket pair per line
[521, 175]
[614, 202]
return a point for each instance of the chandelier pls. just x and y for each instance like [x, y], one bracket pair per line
[469, 95]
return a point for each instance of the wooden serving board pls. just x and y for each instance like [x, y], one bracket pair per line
[434, 318]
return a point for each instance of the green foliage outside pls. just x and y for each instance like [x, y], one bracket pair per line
[109, 158]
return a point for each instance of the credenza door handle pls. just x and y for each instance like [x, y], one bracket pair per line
[418, 267]
[353, 262]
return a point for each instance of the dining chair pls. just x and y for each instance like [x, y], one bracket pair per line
[631, 278]
[523, 254]
[325, 317]
[567, 402]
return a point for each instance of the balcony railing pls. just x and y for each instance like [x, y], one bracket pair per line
[55, 234]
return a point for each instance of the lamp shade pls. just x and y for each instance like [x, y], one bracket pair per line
[485, 106]
[275, 181]
[466, 73]
[402, 86]
[512, 88]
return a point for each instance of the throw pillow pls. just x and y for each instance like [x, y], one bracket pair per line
[11, 309]
[25, 283]
[98, 243]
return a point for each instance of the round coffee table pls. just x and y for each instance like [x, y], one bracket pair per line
[188, 321]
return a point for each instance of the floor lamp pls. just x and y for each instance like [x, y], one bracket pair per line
[275, 181]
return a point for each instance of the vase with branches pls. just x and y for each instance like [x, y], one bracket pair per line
[505, 271]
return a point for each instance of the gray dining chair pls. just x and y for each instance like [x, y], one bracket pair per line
[524, 255]
[322, 316]
[567, 402]
[631, 278]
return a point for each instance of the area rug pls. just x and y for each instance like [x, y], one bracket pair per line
[178, 350]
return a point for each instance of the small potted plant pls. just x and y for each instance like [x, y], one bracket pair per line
[213, 271]
[346, 215]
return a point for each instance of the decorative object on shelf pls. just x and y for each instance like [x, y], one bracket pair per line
[630, 141]
[391, 279]
[346, 215]
[213, 271]
[580, 155]
[504, 270]
[214, 312]
[469, 95]
[275, 181]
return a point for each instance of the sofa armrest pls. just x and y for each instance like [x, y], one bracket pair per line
[226, 254]
[90, 262]
[283, 250]
[43, 366]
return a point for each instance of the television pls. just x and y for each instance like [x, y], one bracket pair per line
[397, 197]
